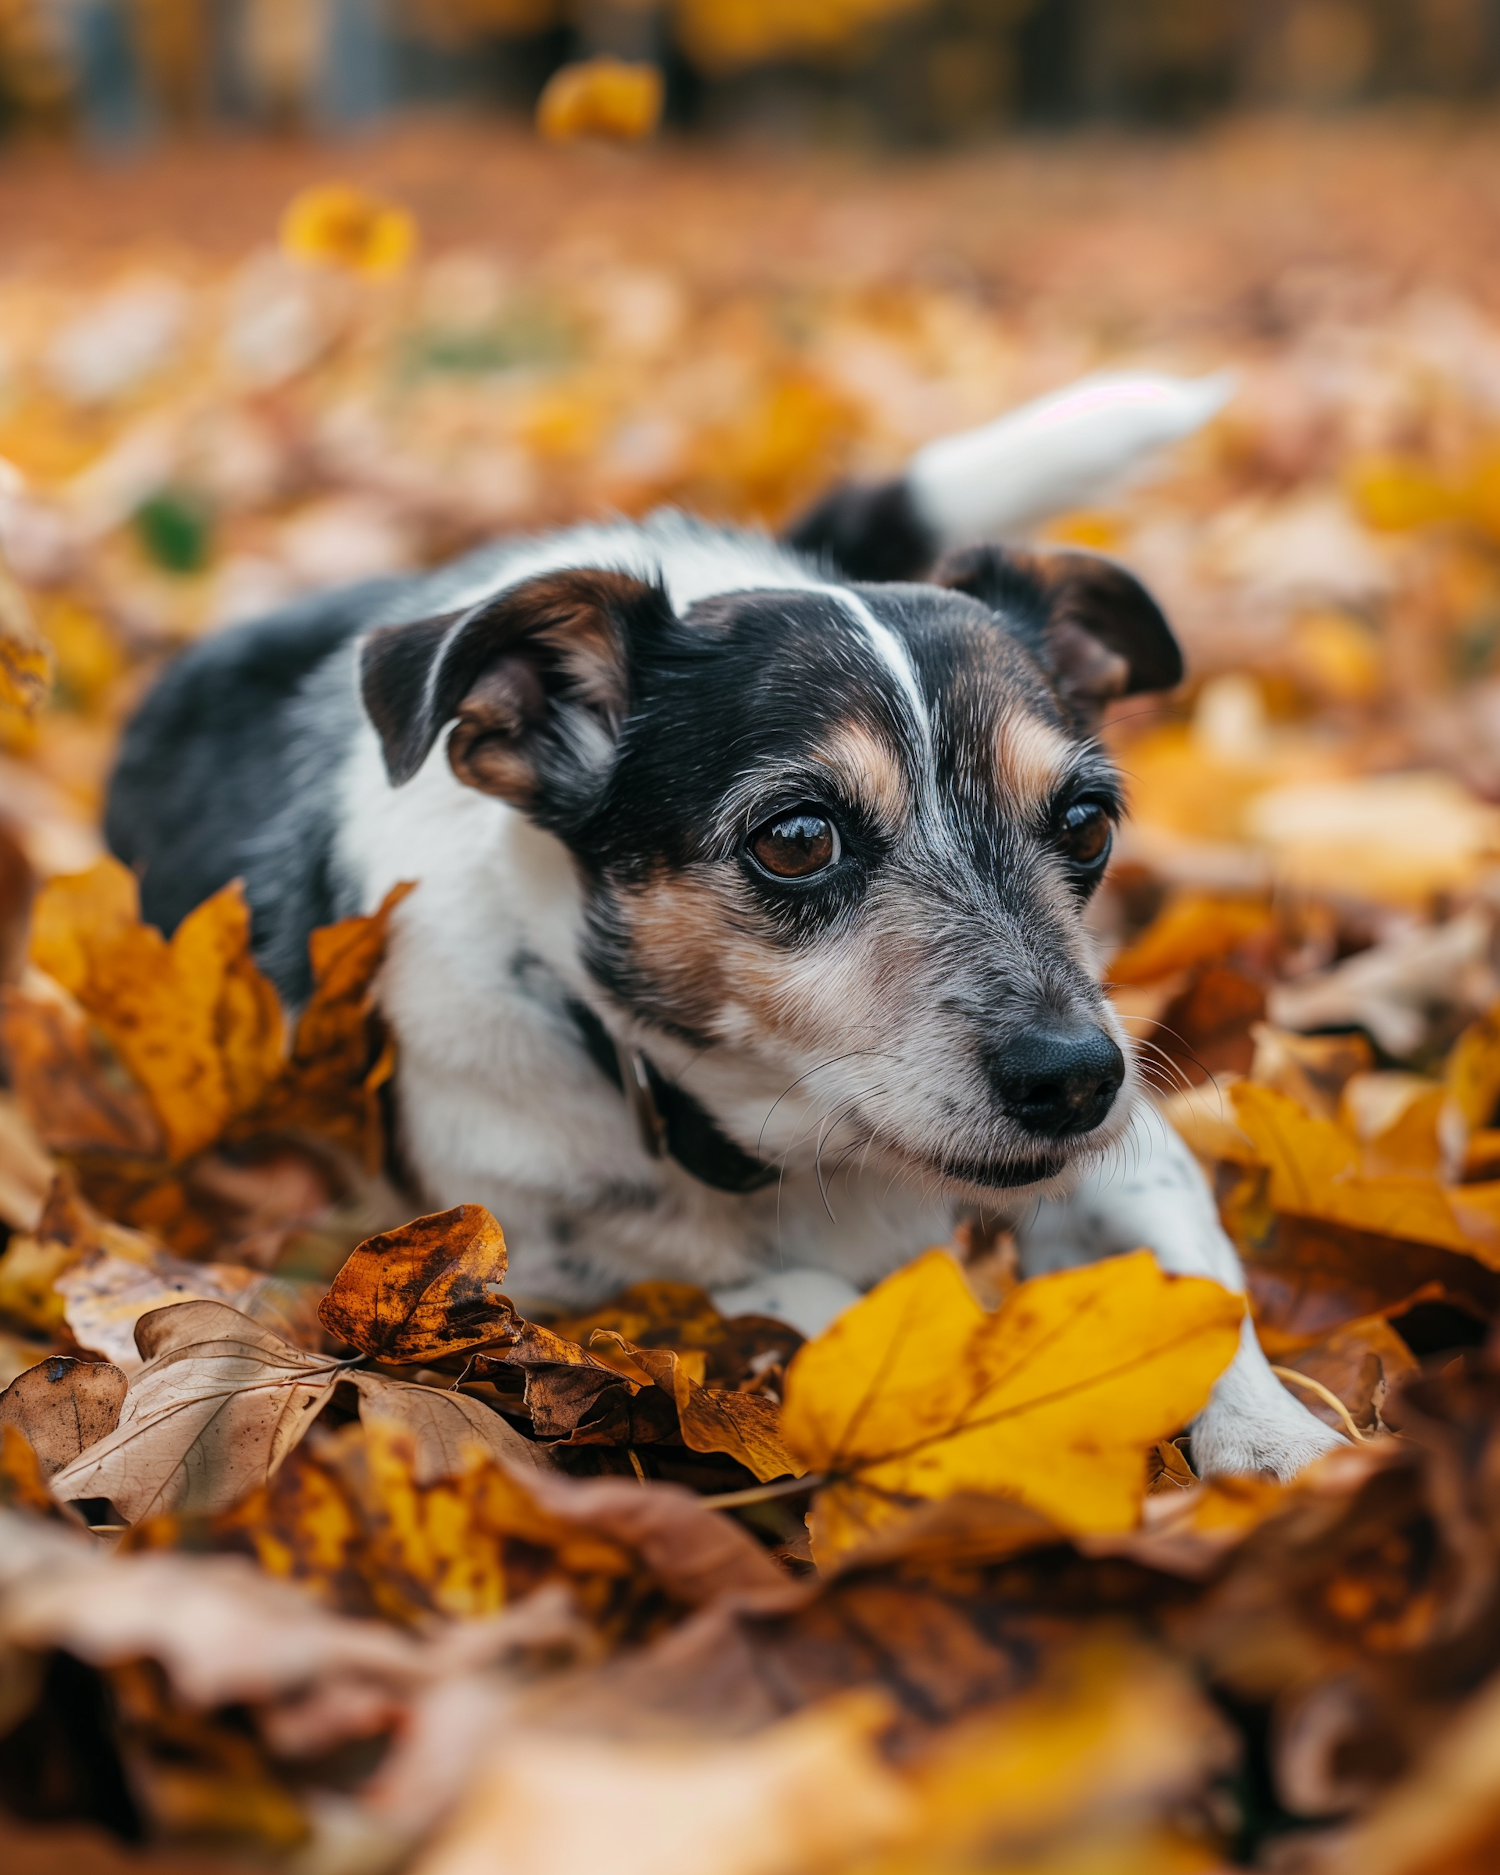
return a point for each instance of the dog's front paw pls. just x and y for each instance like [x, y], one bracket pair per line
[1280, 1443]
[1253, 1424]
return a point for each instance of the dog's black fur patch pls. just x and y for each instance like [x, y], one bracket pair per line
[224, 773]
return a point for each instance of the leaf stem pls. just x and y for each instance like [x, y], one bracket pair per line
[764, 1493]
[1289, 1375]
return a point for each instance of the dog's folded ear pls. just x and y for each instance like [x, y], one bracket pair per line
[535, 678]
[1093, 625]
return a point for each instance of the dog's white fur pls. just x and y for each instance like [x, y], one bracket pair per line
[501, 1107]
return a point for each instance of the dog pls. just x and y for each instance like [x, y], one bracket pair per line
[748, 945]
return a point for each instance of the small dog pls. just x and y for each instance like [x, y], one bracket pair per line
[749, 942]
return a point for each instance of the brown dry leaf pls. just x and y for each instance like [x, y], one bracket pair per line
[1360, 1363]
[223, 1631]
[805, 1794]
[64, 1406]
[746, 1426]
[424, 1291]
[105, 1296]
[1055, 1399]
[1207, 1028]
[193, 1019]
[340, 1057]
[741, 1350]
[1310, 1069]
[26, 1169]
[217, 1407]
[1444, 1819]
[579, 1397]
[74, 1096]
[446, 1429]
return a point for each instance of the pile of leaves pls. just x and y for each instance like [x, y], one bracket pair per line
[319, 1553]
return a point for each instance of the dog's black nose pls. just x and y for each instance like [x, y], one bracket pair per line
[1057, 1081]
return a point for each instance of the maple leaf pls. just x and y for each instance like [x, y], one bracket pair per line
[424, 1291]
[916, 1393]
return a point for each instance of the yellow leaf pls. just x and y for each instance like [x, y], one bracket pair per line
[1315, 1172]
[1193, 929]
[1054, 1400]
[600, 98]
[193, 1020]
[337, 225]
[25, 661]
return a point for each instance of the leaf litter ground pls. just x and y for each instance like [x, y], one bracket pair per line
[321, 1552]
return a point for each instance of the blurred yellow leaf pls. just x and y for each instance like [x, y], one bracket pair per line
[193, 1019]
[337, 225]
[25, 661]
[1193, 929]
[601, 97]
[1054, 1400]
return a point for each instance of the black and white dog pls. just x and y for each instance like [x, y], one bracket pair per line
[748, 941]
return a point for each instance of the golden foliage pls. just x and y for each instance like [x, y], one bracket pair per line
[1054, 1399]
[600, 97]
[334, 224]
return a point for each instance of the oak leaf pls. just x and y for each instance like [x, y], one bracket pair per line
[64, 1406]
[192, 1019]
[916, 1393]
[212, 1414]
[428, 1289]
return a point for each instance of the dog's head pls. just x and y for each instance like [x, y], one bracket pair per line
[834, 842]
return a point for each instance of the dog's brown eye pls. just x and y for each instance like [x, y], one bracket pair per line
[1086, 833]
[795, 846]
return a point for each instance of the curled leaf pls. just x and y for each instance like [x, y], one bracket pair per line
[212, 1414]
[426, 1290]
[601, 97]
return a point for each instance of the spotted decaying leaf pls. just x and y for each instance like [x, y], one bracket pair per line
[428, 1290]
[63, 1406]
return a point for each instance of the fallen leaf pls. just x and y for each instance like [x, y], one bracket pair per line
[1310, 1069]
[64, 1406]
[601, 97]
[74, 1097]
[218, 1405]
[334, 224]
[1315, 1172]
[577, 1396]
[104, 1296]
[740, 1350]
[193, 1020]
[26, 1168]
[425, 1291]
[1195, 928]
[1055, 1399]
[25, 659]
[805, 1794]
[340, 1056]
[23, 1483]
[446, 1429]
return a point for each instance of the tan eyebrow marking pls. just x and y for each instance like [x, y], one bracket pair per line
[869, 768]
[1031, 758]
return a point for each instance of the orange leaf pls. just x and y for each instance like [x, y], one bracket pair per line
[1194, 929]
[600, 98]
[193, 1020]
[423, 1291]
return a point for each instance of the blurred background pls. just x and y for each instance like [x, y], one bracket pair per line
[294, 292]
[886, 71]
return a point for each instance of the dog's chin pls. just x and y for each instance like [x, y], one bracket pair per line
[979, 1176]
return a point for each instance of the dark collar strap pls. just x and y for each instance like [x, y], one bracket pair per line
[670, 1120]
